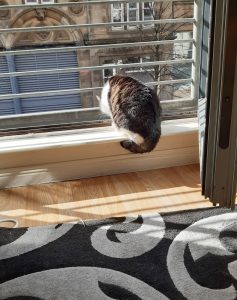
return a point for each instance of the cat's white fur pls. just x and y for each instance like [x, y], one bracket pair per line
[104, 104]
[105, 108]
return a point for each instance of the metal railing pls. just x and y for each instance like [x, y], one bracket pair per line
[93, 68]
[71, 4]
[91, 45]
[96, 25]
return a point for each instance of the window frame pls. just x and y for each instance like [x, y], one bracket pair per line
[143, 14]
[182, 46]
[140, 16]
[137, 10]
[32, 2]
[39, 2]
[106, 78]
[117, 27]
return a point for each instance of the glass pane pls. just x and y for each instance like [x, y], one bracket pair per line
[174, 91]
[146, 59]
[183, 50]
[179, 71]
[132, 5]
[148, 5]
[117, 12]
[148, 14]
[130, 60]
[117, 6]
[108, 73]
[31, 1]
[72, 81]
[117, 16]
[148, 11]
[132, 15]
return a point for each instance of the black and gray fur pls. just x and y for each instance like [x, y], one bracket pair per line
[135, 110]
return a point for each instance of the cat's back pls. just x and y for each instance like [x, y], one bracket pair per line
[132, 102]
[135, 110]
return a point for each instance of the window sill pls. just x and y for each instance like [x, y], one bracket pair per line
[53, 140]
[40, 158]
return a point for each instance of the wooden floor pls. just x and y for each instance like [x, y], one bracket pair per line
[161, 190]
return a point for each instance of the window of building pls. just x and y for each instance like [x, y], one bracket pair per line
[143, 74]
[148, 12]
[132, 12]
[31, 1]
[40, 83]
[117, 13]
[183, 50]
[108, 73]
[39, 1]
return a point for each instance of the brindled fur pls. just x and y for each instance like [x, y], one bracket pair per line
[135, 110]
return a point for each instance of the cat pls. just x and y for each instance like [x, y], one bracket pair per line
[135, 111]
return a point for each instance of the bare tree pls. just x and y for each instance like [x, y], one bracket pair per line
[161, 32]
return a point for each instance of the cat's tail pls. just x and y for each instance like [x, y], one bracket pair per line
[147, 146]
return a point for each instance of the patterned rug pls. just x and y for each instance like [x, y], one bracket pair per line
[184, 255]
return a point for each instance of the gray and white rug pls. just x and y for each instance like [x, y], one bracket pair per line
[184, 255]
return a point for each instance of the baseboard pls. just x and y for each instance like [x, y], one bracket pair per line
[96, 167]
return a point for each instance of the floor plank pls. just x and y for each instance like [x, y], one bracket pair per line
[161, 190]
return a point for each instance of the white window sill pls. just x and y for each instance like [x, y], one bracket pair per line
[60, 156]
[61, 139]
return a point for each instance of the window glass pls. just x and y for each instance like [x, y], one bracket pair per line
[147, 12]
[50, 77]
[31, 1]
[133, 13]
[117, 15]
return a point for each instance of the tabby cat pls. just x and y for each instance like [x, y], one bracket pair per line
[135, 111]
